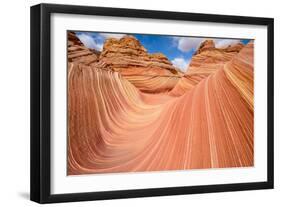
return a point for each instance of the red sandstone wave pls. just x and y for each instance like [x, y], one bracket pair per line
[205, 121]
[207, 60]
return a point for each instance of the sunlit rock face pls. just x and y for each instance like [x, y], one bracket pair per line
[150, 73]
[78, 53]
[117, 124]
[206, 60]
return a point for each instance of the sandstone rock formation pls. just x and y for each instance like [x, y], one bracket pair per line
[113, 126]
[206, 60]
[148, 72]
[78, 53]
[129, 57]
[206, 45]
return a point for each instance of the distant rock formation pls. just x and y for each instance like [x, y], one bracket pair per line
[234, 48]
[209, 45]
[208, 57]
[151, 73]
[206, 60]
[78, 53]
[206, 45]
[129, 57]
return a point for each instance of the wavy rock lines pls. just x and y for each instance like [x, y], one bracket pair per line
[115, 127]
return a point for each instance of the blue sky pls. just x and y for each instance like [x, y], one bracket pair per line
[178, 50]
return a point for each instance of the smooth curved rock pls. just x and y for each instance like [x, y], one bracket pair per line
[115, 127]
[207, 60]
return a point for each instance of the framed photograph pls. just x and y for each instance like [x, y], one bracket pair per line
[132, 103]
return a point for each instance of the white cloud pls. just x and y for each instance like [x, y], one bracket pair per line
[89, 41]
[96, 41]
[185, 44]
[112, 35]
[181, 63]
[222, 43]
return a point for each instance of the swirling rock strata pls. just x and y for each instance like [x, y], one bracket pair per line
[78, 53]
[206, 60]
[115, 127]
[151, 73]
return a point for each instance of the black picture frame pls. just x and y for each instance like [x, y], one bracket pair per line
[41, 99]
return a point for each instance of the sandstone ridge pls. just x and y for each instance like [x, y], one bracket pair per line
[129, 57]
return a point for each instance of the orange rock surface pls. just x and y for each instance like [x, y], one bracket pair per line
[205, 61]
[115, 126]
[78, 53]
[148, 72]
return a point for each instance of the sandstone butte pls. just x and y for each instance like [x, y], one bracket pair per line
[131, 111]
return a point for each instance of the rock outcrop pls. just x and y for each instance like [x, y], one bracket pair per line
[208, 58]
[150, 73]
[128, 57]
[206, 61]
[210, 45]
[206, 45]
[78, 53]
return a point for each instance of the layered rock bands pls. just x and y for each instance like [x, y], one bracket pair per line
[131, 111]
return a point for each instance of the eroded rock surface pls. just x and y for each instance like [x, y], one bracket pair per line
[205, 121]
